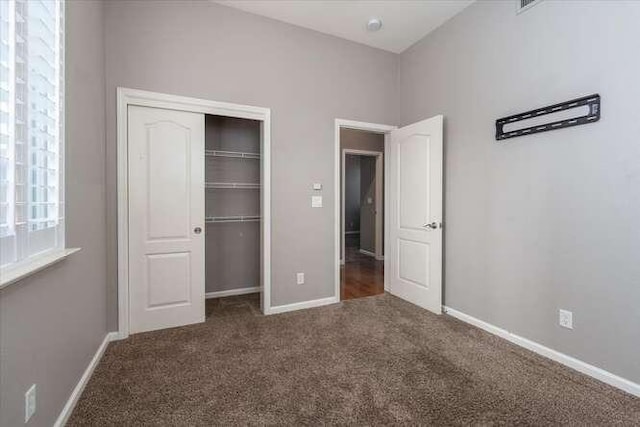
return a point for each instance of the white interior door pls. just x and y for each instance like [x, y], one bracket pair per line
[416, 214]
[166, 218]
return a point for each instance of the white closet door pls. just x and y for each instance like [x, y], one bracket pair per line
[166, 218]
[416, 214]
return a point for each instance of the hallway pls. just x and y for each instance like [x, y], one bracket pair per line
[361, 275]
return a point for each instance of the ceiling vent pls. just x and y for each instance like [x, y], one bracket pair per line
[522, 5]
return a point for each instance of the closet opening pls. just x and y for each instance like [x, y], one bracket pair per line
[233, 153]
[194, 203]
[362, 219]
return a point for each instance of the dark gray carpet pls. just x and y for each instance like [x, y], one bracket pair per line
[376, 360]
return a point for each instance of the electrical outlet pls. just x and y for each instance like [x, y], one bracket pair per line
[29, 403]
[566, 319]
[300, 278]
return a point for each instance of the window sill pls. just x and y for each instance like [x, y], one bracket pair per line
[16, 273]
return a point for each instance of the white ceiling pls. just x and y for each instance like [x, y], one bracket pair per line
[404, 22]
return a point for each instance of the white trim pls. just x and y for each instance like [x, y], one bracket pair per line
[571, 362]
[33, 265]
[367, 253]
[380, 258]
[387, 209]
[84, 379]
[303, 305]
[265, 208]
[126, 97]
[371, 127]
[232, 292]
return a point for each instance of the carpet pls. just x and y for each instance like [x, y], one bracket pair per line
[370, 361]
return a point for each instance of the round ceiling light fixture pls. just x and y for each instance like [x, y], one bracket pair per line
[374, 24]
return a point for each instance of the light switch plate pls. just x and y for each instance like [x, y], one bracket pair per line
[316, 201]
[317, 186]
[300, 278]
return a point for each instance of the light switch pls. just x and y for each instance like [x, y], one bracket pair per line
[317, 186]
[316, 201]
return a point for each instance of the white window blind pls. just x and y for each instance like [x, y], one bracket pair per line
[31, 129]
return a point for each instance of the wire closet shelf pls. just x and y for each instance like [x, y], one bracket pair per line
[232, 154]
[237, 218]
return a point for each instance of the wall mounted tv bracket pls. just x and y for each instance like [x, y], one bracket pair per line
[565, 114]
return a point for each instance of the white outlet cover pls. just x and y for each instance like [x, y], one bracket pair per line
[566, 319]
[317, 186]
[316, 201]
[300, 278]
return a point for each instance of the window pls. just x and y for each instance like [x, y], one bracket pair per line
[31, 129]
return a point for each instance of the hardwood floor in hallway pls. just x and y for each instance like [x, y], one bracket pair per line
[361, 275]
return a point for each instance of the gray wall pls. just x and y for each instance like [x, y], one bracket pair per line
[548, 221]
[368, 210]
[352, 193]
[52, 323]
[308, 79]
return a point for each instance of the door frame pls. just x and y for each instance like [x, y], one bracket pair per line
[369, 127]
[127, 97]
[378, 155]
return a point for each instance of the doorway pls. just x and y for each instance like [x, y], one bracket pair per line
[412, 213]
[360, 206]
[362, 220]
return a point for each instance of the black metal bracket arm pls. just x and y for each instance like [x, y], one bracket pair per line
[593, 115]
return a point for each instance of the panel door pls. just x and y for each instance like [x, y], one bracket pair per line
[166, 218]
[416, 214]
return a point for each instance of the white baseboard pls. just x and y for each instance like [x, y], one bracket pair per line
[366, 252]
[232, 292]
[117, 336]
[84, 379]
[380, 258]
[580, 366]
[303, 305]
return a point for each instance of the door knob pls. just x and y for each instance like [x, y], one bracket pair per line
[433, 226]
[197, 230]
